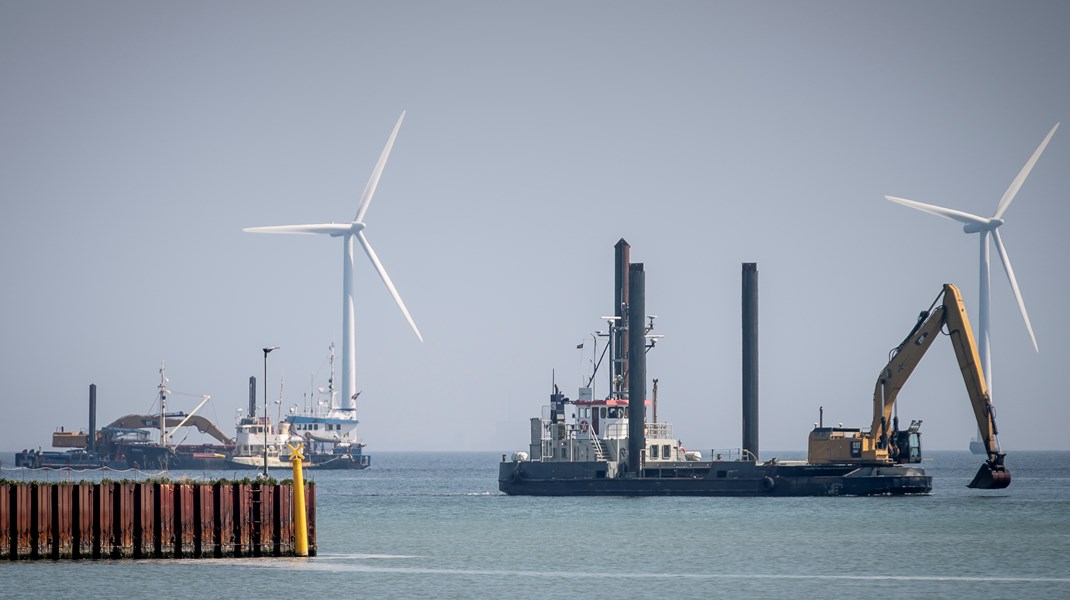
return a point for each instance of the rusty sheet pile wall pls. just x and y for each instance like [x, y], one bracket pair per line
[149, 520]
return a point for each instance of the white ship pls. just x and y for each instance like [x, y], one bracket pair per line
[329, 430]
[258, 439]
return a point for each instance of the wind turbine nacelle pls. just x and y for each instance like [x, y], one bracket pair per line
[990, 225]
[353, 228]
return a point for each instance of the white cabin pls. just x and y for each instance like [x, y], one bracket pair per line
[253, 433]
[596, 430]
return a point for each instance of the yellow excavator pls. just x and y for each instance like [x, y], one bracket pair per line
[884, 443]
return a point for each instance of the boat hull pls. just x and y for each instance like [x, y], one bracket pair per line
[340, 462]
[215, 458]
[73, 460]
[711, 479]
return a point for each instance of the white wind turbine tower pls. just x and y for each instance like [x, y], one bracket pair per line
[350, 232]
[985, 226]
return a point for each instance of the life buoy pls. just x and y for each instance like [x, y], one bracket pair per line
[584, 426]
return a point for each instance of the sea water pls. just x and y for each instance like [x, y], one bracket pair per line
[433, 525]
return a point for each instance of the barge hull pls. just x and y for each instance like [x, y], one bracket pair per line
[743, 479]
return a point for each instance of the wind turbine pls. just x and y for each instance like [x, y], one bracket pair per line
[985, 226]
[351, 232]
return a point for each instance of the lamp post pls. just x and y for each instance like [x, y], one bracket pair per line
[266, 352]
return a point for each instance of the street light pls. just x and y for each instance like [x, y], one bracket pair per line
[266, 352]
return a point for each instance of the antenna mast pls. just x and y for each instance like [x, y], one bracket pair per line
[163, 405]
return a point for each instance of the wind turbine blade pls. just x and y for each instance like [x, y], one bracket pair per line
[373, 181]
[329, 228]
[1008, 196]
[386, 279]
[1014, 285]
[940, 211]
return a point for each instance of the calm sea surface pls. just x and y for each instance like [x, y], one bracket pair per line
[433, 525]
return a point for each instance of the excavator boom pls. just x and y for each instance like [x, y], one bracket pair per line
[884, 443]
[950, 316]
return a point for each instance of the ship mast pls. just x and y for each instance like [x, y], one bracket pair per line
[163, 404]
[330, 384]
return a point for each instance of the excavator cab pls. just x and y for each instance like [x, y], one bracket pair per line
[908, 444]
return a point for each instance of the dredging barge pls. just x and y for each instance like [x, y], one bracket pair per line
[617, 447]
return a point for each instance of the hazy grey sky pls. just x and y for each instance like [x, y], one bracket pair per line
[138, 138]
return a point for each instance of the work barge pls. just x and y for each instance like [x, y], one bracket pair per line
[616, 446]
[152, 520]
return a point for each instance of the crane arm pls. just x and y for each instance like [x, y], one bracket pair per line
[153, 421]
[952, 316]
[958, 327]
[203, 402]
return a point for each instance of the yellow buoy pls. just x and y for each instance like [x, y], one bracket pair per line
[300, 517]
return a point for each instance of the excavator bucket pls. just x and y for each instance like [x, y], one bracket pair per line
[991, 476]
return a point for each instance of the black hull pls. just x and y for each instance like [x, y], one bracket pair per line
[198, 464]
[75, 461]
[711, 479]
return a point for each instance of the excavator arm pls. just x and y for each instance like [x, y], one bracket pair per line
[904, 359]
[952, 316]
[153, 421]
[992, 474]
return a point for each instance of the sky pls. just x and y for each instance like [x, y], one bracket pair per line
[137, 139]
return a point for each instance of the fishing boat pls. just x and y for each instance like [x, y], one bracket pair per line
[617, 446]
[329, 429]
[257, 439]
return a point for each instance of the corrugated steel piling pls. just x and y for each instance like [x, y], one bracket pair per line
[122, 520]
